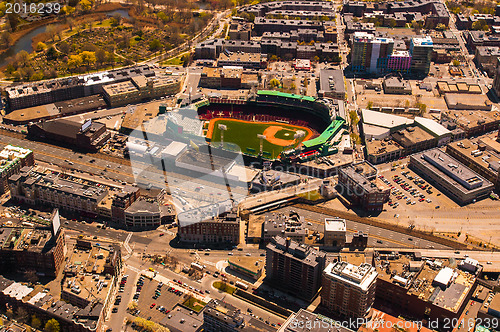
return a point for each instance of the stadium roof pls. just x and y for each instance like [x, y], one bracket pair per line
[326, 135]
[284, 95]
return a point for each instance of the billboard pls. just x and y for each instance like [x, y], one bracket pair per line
[55, 221]
[86, 125]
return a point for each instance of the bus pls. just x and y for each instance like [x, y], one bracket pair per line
[241, 285]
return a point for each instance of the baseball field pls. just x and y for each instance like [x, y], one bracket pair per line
[242, 135]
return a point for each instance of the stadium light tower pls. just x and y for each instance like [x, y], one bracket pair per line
[222, 128]
[261, 138]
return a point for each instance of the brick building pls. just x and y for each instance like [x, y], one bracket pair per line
[294, 267]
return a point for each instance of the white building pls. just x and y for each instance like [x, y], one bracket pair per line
[348, 289]
[335, 232]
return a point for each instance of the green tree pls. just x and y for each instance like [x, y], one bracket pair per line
[369, 105]
[100, 56]
[440, 27]
[416, 26]
[421, 108]
[5, 39]
[22, 315]
[480, 25]
[35, 322]
[37, 76]
[154, 45]
[52, 325]
[40, 46]
[67, 10]
[51, 31]
[85, 5]
[71, 23]
[274, 83]
[354, 117]
[89, 58]
[456, 62]
[22, 57]
[110, 58]
[75, 61]
[64, 47]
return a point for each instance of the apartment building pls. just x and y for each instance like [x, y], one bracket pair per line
[33, 186]
[294, 267]
[222, 230]
[12, 159]
[348, 290]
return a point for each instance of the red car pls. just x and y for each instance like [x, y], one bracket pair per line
[152, 306]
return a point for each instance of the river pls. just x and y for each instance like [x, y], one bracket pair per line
[24, 43]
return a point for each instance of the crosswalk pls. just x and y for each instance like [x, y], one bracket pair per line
[125, 243]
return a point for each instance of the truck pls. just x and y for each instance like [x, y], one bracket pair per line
[241, 285]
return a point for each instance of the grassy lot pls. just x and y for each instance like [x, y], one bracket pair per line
[177, 61]
[225, 287]
[194, 304]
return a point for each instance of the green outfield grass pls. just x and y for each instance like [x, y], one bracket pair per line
[243, 136]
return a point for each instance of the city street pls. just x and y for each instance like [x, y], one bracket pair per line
[138, 265]
[377, 237]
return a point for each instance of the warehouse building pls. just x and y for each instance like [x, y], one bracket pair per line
[445, 172]
[90, 136]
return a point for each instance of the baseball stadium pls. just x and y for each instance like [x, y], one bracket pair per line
[271, 125]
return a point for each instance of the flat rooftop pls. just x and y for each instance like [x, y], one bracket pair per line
[134, 118]
[419, 282]
[431, 125]
[470, 119]
[302, 252]
[361, 276]
[240, 57]
[411, 136]
[486, 159]
[379, 147]
[454, 169]
[458, 101]
[335, 225]
[143, 205]
[204, 160]
[30, 239]
[331, 80]
[252, 264]
[33, 113]
[382, 119]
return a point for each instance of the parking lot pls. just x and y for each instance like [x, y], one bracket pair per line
[410, 190]
[166, 300]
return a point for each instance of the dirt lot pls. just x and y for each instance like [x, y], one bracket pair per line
[380, 99]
